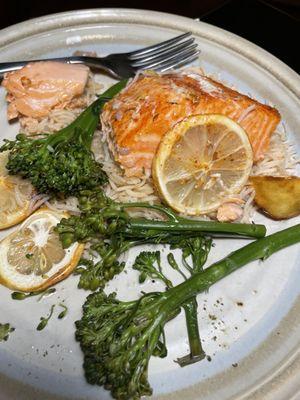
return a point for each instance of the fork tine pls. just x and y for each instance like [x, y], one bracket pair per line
[173, 58]
[179, 63]
[144, 57]
[151, 49]
[163, 54]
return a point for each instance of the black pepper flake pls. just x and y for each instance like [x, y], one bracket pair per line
[239, 303]
[208, 358]
[234, 365]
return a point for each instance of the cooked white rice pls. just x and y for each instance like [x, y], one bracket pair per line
[280, 160]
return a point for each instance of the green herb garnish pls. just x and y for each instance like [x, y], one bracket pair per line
[44, 320]
[23, 296]
[63, 313]
[5, 330]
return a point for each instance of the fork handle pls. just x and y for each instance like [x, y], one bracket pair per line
[92, 62]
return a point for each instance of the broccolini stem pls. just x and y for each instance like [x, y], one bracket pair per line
[164, 210]
[259, 249]
[183, 224]
[196, 351]
[87, 121]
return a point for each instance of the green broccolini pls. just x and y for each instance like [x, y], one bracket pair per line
[102, 218]
[118, 338]
[196, 248]
[111, 231]
[61, 163]
[146, 263]
[95, 275]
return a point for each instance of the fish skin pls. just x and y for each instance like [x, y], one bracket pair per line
[137, 118]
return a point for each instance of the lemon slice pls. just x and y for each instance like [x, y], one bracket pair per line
[32, 257]
[200, 161]
[16, 196]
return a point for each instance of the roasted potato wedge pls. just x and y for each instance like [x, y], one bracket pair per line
[278, 197]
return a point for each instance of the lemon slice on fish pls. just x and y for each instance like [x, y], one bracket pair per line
[200, 161]
[17, 196]
[32, 257]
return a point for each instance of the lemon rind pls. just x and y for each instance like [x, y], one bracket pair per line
[58, 276]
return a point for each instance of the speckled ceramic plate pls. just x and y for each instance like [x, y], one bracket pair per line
[254, 348]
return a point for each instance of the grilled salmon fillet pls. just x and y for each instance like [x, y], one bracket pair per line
[137, 118]
[39, 87]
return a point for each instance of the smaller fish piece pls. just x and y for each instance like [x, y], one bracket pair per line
[36, 89]
[229, 212]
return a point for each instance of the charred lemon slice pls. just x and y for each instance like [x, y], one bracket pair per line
[200, 161]
[17, 196]
[32, 257]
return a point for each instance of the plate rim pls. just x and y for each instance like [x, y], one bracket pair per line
[271, 388]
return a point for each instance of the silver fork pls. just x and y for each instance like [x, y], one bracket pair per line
[169, 54]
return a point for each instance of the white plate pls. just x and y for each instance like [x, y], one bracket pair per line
[262, 337]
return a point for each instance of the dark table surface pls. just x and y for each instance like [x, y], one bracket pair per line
[271, 24]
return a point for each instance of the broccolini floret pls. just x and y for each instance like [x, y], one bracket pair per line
[118, 338]
[149, 266]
